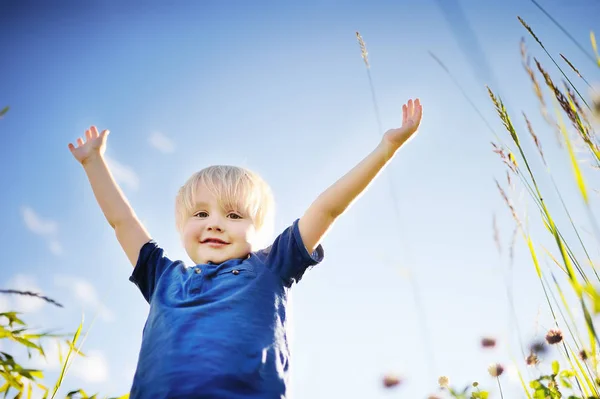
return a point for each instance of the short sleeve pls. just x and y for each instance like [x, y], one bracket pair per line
[288, 257]
[151, 265]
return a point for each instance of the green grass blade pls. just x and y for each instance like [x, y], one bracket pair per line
[66, 362]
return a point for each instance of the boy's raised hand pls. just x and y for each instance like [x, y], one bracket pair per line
[95, 144]
[411, 119]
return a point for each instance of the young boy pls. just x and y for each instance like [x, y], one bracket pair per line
[218, 329]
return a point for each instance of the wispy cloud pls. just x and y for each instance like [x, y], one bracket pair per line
[92, 368]
[86, 295]
[38, 225]
[161, 142]
[54, 349]
[43, 227]
[123, 174]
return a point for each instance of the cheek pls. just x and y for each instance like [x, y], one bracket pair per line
[191, 233]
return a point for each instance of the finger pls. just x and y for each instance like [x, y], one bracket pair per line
[104, 133]
[419, 108]
[94, 131]
[88, 134]
[404, 113]
[71, 147]
[79, 141]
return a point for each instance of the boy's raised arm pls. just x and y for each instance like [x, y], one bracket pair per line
[130, 233]
[319, 217]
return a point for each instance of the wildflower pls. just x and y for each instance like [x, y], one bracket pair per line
[433, 397]
[390, 381]
[532, 359]
[444, 381]
[495, 370]
[488, 342]
[554, 336]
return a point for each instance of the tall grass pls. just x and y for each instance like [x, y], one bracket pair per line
[20, 380]
[570, 279]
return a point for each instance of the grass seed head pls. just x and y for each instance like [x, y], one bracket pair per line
[390, 381]
[532, 360]
[363, 49]
[488, 342]
[554, 336]
[496, 370]
[444, 381]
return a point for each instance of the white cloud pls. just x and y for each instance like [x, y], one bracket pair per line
[93, 367]
[46, 228]
[161, 142]
[23, 303]
[51, 362]
[86, 295]
[123, 174]
[37, 224]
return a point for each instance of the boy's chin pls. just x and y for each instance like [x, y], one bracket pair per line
[218, 257]
[213, 258]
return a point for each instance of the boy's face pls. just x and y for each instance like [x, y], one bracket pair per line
[213, 234]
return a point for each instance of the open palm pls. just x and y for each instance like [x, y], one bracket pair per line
[411, 119]
[95, 144]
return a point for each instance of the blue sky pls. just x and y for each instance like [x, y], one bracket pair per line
[280, 87]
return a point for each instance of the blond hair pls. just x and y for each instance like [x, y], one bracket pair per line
[235, 188]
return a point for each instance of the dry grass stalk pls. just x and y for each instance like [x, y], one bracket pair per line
[527, 65]
[552, 59]
[573, 67]
[511, 250]
[32, 294]
[573, 98]
[570, 109]
[363, 49]
[509, 204]
[562, 99]
[509, 160]
[526, 61]
[496, 235]
[504, 116]
[537, 142]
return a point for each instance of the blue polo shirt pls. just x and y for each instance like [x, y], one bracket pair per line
[218, 330]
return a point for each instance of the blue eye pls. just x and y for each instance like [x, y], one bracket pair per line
[201, 214]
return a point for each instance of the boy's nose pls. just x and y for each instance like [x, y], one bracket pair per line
[214, 226]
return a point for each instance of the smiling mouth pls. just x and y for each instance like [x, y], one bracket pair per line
[214, 241]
